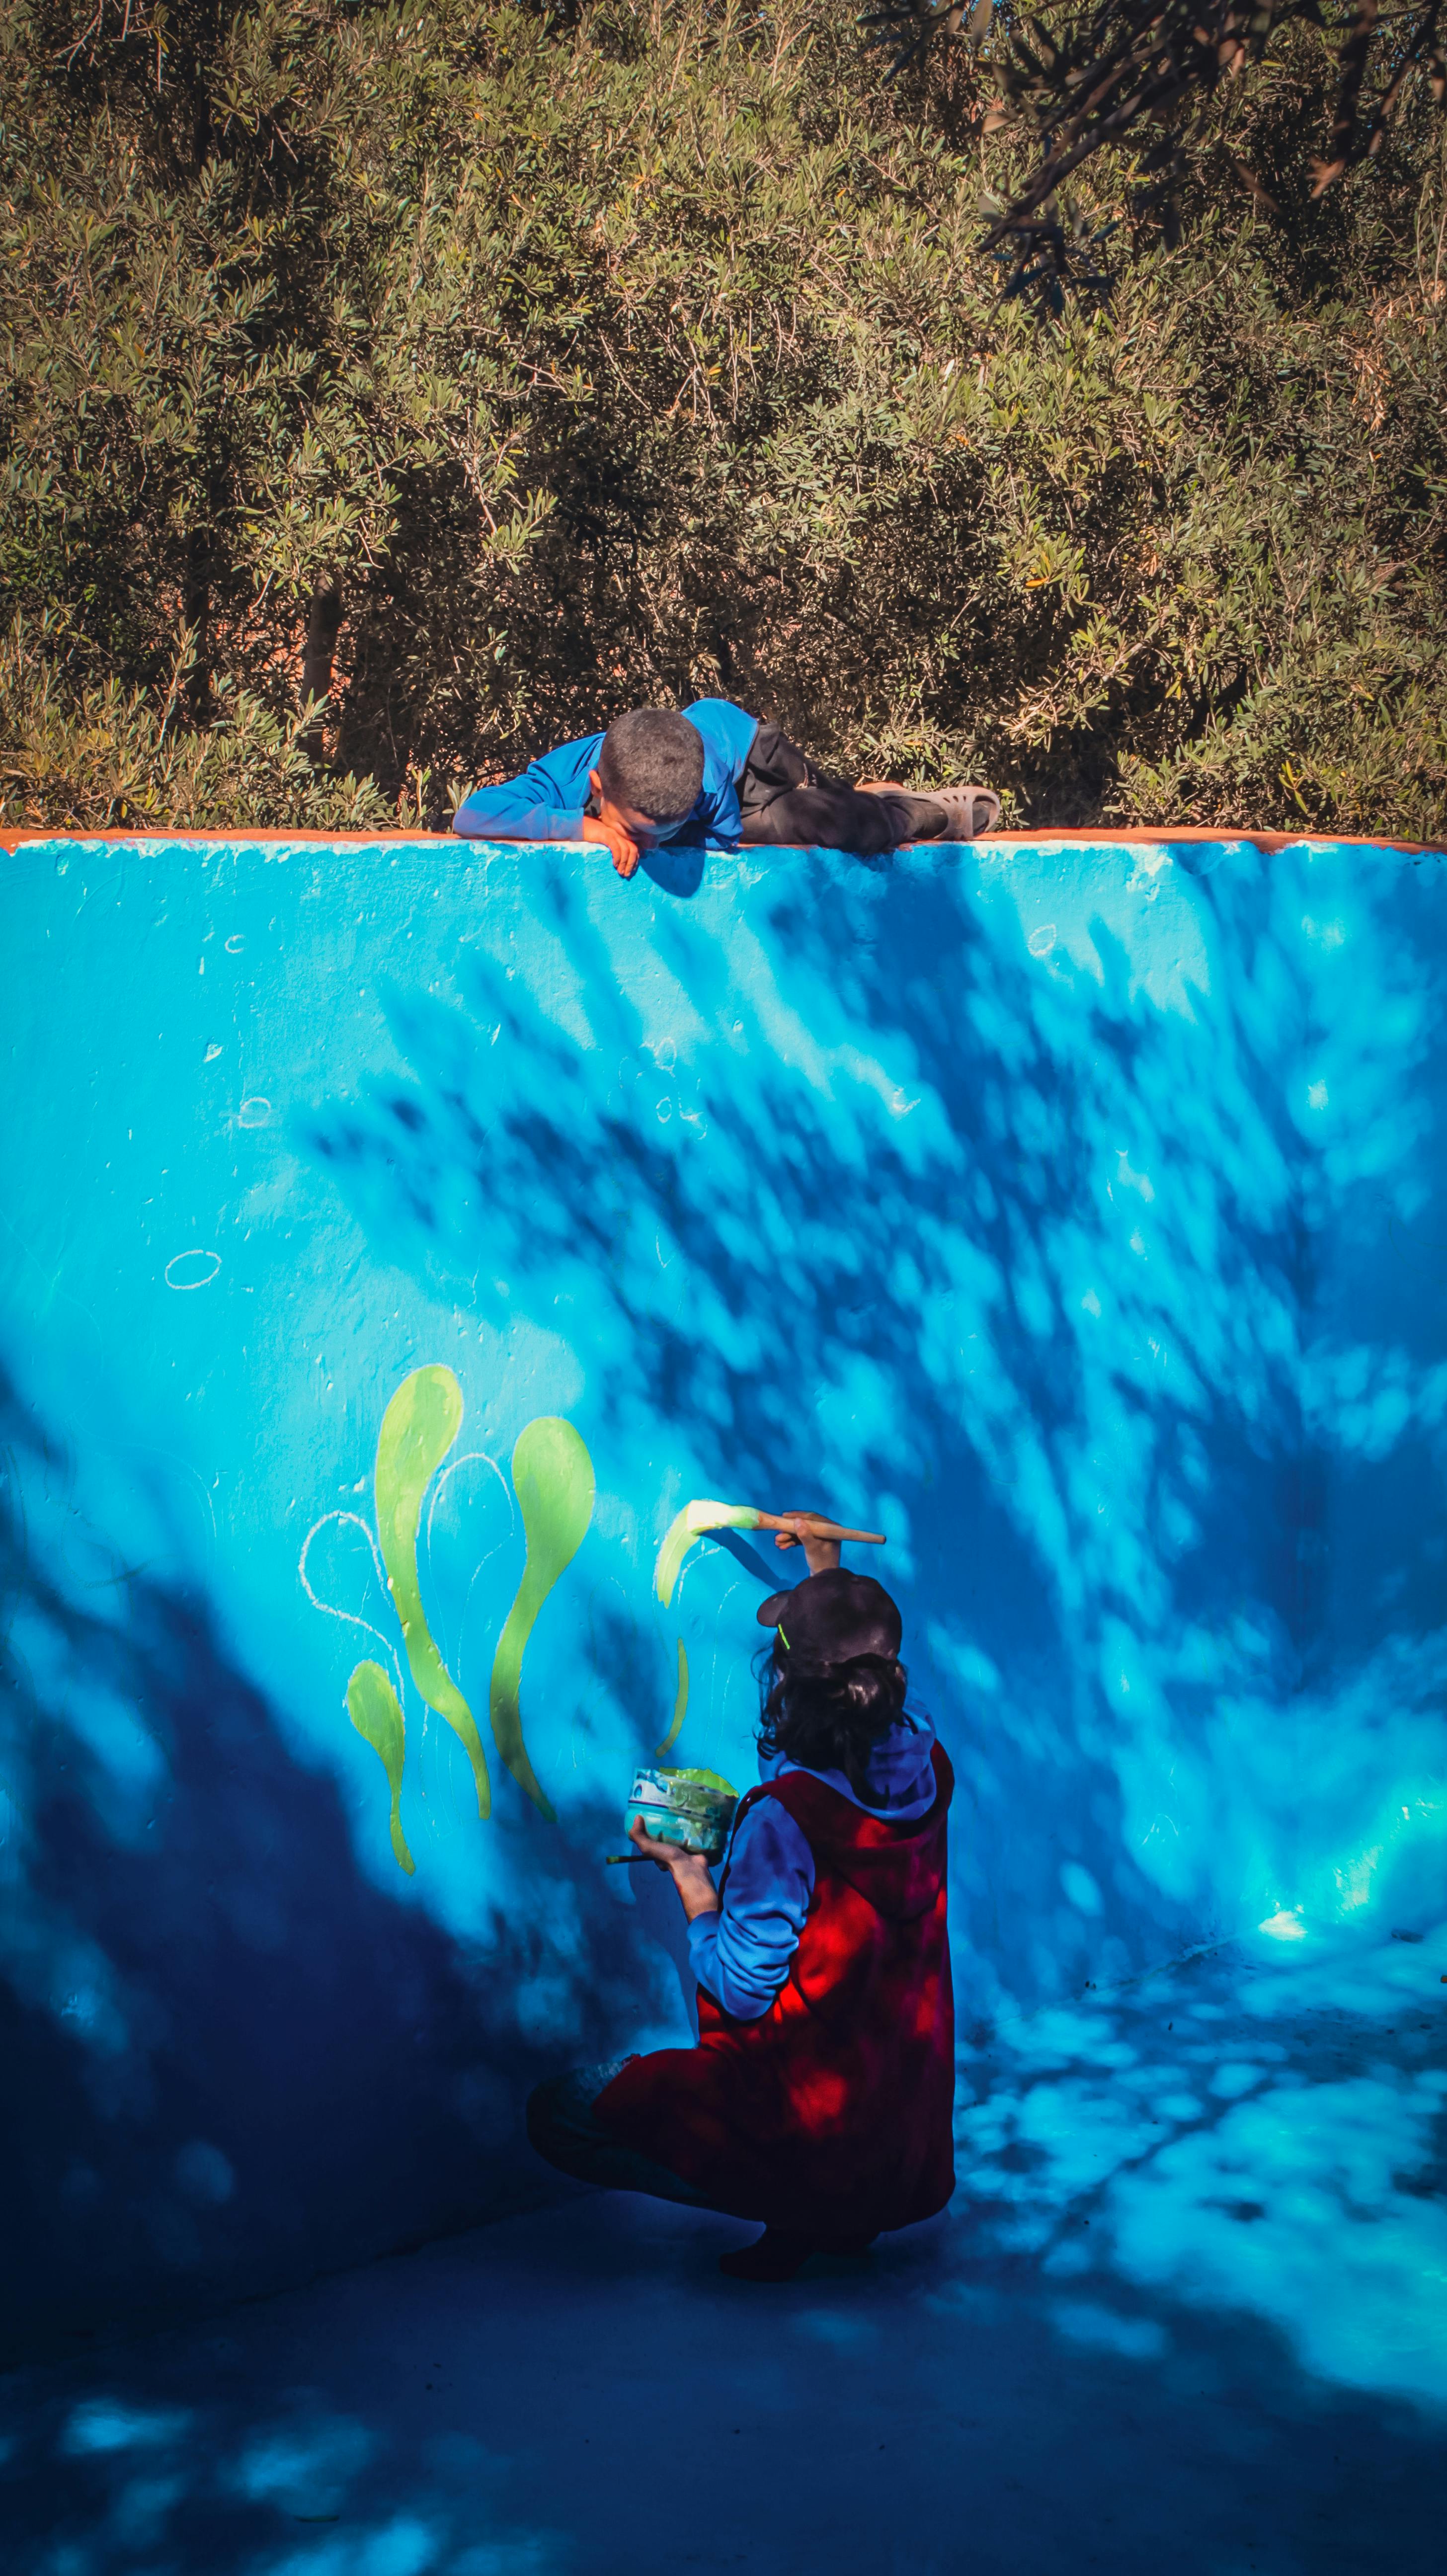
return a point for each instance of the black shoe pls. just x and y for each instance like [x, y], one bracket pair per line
[780, 2254]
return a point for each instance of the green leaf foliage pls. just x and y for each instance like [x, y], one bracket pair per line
[394, 391]
[1149, 73]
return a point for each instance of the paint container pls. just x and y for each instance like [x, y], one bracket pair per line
[694, 1808]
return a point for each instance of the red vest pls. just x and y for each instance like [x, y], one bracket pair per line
[833, 2113]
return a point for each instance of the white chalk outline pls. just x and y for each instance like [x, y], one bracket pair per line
[471, 1458]
[353, 1619]
[188, 1287]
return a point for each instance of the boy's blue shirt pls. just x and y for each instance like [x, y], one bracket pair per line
[742, 1954]
[549, 800]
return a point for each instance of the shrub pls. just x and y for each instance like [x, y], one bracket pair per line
[492, 375]
[104, 757]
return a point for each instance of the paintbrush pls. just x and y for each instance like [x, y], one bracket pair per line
[818, 1527]
[697, 1518]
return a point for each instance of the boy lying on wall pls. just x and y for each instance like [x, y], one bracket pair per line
[818, 2098]
[712, 773]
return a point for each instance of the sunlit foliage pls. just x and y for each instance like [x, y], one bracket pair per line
[394, 390]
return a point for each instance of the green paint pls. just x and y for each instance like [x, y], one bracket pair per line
[685, 1528]
[418, 1428]
[373, 1708]
[552, 1474]
[680, 1705]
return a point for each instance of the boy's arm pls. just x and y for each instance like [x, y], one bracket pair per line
[502, 813]
[499, 814]
[546, 803]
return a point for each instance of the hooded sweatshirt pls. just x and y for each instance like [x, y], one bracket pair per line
[830, 2113]
[741, 1954]
[549, 800]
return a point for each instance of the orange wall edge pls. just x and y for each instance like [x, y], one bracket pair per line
[1115, 834]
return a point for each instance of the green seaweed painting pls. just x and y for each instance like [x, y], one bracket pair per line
[552, 1476]
[696, 1518]
[680, 1705]
[375, 1712]
[418, 1428]
[690, 1524]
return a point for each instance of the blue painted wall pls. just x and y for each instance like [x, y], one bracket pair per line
[1076, 1215]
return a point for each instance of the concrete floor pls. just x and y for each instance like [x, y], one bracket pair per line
[1187, 2312]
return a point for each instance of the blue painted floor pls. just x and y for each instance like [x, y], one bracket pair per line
[1188, 2312]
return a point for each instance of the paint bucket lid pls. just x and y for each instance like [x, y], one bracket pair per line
[700, 1791]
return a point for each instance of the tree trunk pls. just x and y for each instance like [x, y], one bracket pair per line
[324, 618]
[196, 615]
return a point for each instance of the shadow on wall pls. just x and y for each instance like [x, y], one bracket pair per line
[239, 2061]
[995, 1206]
[1049, 1217]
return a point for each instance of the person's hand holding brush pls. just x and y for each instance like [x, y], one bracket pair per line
[819, 1537]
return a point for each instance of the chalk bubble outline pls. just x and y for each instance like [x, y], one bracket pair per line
[352, 1617]
[473, 1458]
[197, 1252]
[255, 1100]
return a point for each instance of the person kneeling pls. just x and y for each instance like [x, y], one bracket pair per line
[712, 773]
[819, 2097]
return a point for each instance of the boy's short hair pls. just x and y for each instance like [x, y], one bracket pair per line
[652, 761]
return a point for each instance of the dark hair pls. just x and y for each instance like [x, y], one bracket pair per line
[652, 760]
[830, 1719]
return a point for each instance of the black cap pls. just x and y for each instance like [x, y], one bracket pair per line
[829, 1618]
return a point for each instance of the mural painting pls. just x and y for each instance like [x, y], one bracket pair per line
[553, 1478]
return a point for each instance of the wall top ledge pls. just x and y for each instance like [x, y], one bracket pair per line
[1099, 836]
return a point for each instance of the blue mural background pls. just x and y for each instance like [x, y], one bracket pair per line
[1072, 1213]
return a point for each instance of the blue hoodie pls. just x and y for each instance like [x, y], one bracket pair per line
[742, 1953]
[549, 800]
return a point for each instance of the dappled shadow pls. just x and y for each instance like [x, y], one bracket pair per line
[1247, 2137]
[994, 1201]
[239, 2061]
[1181, 2313]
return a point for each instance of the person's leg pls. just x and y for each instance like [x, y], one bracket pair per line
[563, 2130]
[844, 818]
[786, 800]
[774, 766]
